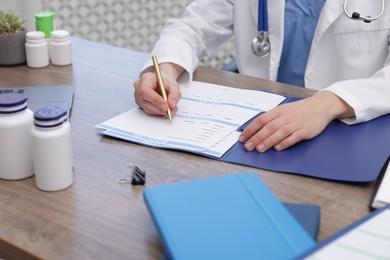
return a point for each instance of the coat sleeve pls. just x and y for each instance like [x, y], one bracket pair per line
[369, 97]
[204, 26]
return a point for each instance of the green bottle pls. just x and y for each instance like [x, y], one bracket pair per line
[44, 22]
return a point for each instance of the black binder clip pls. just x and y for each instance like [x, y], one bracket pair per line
[138, 177]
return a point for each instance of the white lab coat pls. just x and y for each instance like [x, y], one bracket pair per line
[349, 58]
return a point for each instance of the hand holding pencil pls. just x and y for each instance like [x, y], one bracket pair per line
[148, 94]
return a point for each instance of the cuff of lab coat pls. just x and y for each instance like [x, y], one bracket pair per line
[350, 99]
[171, 50]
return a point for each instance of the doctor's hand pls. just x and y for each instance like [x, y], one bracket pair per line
[290, 123]
[148, 95]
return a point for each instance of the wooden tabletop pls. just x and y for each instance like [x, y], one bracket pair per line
[98, 218]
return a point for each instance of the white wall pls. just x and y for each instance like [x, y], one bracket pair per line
[134, 24]
[27, 8]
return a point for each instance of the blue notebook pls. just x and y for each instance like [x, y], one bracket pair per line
[233, 216]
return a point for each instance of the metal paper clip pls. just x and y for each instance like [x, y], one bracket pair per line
[125, 180]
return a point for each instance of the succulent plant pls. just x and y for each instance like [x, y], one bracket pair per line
[11, 22]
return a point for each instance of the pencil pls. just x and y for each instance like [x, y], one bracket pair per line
[160, 82]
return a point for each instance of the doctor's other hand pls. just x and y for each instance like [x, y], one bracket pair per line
[148, 95]
[290, 123]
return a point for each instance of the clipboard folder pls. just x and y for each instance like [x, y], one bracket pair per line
[367, 238]
[233, 216]
[352, 153]
[381, 195]
[45, 96]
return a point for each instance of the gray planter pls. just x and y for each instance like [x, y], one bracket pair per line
[12, 50]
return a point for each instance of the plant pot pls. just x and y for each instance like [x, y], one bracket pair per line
[12, 50]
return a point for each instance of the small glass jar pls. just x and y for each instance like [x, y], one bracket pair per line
[16, 122]
[37, 51]
[60, 49]
[52, 149]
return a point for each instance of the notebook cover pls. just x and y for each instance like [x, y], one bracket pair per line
[227, 217]
[307, 215]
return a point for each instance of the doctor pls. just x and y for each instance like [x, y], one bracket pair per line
[313, 44]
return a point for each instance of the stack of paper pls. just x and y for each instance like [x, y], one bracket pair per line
[368, 238]
[207, 121]
[381, 196]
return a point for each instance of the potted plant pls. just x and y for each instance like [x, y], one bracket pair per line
[12, 39]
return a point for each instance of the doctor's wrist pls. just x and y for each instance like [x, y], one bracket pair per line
[171, 70]
[336, 106]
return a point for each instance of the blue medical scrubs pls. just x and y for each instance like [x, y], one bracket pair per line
[300, 22]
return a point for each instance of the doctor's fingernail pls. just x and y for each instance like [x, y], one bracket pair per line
[278, 147]
[241, 138]
[260, 148]
[164, 107]
[249, 146]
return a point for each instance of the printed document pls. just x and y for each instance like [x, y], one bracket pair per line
[382, 196]
[369, 240]
[206, 122]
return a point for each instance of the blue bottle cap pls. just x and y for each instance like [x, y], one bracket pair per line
[49, 116]
[12, 102]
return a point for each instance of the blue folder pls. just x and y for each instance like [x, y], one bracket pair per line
[233, 216]
[368, 236]
[354, 153]
[45, 96]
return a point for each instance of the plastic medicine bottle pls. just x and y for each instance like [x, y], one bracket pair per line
[60, 49]
[37, 51]
[16, 122]
[44, 22]
[52, 149]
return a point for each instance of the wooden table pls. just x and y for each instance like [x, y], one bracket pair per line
[98, 218]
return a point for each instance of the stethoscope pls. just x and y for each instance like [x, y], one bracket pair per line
[366, 19]
[260, 44]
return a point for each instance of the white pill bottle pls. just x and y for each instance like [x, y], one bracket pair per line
[37, 50]
[16, 122]
[60, 48]
[52, 149]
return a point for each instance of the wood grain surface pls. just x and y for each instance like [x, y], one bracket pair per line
[98, 218]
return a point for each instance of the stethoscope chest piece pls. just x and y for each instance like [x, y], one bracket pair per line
[260, 44]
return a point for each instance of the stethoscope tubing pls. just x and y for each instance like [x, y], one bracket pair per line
[260, 44]
[357, 16]
[262, 25]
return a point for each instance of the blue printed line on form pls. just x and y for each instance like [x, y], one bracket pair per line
[116, 132]
[221, 103]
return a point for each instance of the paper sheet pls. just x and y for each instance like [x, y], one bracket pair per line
[382, 197]
[207, 121]
[370, 240]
